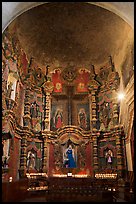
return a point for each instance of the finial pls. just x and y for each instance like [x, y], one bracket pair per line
[47, 70]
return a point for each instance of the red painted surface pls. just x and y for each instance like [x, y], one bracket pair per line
[57, 82]
[89, 158]
[51, 158]
[14, 159]
[24, 63]
[82, 81]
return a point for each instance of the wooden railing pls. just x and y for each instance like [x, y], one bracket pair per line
[80, 189]
[64, 190]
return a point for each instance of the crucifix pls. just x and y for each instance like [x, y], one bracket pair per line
[70, 95]
[68, 98]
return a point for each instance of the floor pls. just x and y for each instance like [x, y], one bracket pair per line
[43, 199]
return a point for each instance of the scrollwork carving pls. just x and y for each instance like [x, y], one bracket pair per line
[57, 156]
[82, 154]
[69, 74]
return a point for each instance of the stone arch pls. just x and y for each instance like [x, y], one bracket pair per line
[10, 11]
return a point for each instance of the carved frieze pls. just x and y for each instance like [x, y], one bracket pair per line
[69, 74]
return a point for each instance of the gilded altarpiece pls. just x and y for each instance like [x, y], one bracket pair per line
[52, 116]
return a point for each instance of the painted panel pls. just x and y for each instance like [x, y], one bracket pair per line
[83, 116]
[56, 116]
[56, 79]
[82, 81]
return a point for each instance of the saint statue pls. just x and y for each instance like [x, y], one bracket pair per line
[31, 161]
[109, 156]
[69, 160]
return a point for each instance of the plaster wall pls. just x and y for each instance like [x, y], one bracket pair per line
[10, 10]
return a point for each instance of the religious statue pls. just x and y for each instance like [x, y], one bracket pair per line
[108, 157]
[69, 161]
[31, 160]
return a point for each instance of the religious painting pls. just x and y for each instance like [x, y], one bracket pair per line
[35, 116]
[36, 111]
[83, 116]
[56, 117]
[57, 82]
[82, 81]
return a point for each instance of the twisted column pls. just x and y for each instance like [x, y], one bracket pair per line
[47, 112]
[45, 148]
[95, 151]
[23, 156]
[119, 154]
[26, 117]
[94, 119]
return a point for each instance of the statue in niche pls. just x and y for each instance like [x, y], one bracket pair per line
[9, 91]
[31, 163]
[69, 157]
[109, 157]
[82, 119]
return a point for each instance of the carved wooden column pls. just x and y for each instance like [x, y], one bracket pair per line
[45, 148]
[95, 136]
[115, 109]
[47, 111]
[23, 156]
[26, 121]
[92, 87]
[94, 119]
[26, 117]
[47, 89]
[119, 152]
